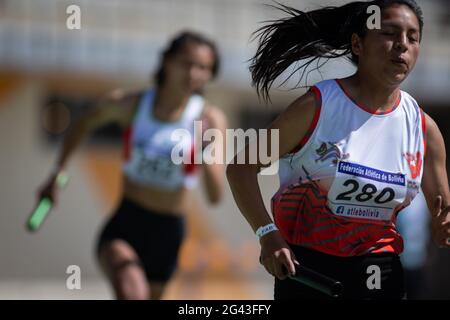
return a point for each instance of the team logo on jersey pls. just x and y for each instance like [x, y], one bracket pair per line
[414, 163]
[330, 150]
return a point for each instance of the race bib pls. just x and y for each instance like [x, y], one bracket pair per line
[362, 192]
[154, 168]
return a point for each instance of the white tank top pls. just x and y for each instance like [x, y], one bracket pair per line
[149, 146]
[368, 164]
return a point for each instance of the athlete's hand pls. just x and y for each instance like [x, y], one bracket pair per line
[440, 224]
[48, 189]
[276, 256]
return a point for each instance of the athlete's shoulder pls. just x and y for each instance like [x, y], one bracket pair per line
[326, 84]
[122, 99]
[430, 125]
[435, 145]
[410, 106]
[117, 105]
[408, 98]
[306, 103]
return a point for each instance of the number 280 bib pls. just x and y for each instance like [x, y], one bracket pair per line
[362, 192]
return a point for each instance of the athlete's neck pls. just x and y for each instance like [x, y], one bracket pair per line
[169, 103]
[374, 95]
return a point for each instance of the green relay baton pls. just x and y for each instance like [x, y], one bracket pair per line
[44, 206]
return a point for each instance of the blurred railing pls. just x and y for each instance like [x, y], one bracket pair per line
[125, 37]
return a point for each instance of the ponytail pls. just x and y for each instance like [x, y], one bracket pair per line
[323, 33]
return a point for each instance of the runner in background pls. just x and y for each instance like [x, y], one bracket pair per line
[139, 245]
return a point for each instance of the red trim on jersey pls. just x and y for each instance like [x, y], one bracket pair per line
[301, 213]
[313, 125]
[190, 168]
[364, 107]
[424, 130]
[126, 138]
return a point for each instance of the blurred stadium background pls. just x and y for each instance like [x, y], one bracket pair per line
[49, 75]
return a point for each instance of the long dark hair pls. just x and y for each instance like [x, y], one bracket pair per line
[177, 44]
[323, 33]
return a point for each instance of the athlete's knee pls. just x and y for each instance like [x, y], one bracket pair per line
[116, 251]
[123, 267]
[130, 283]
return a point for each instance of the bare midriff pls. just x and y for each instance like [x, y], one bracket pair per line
[162, 201]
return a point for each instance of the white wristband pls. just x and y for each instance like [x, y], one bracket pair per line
[263, 230]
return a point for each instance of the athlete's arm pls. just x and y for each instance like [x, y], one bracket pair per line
[115, 107]
[214, 118]
[292, 124]
[435, 184]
